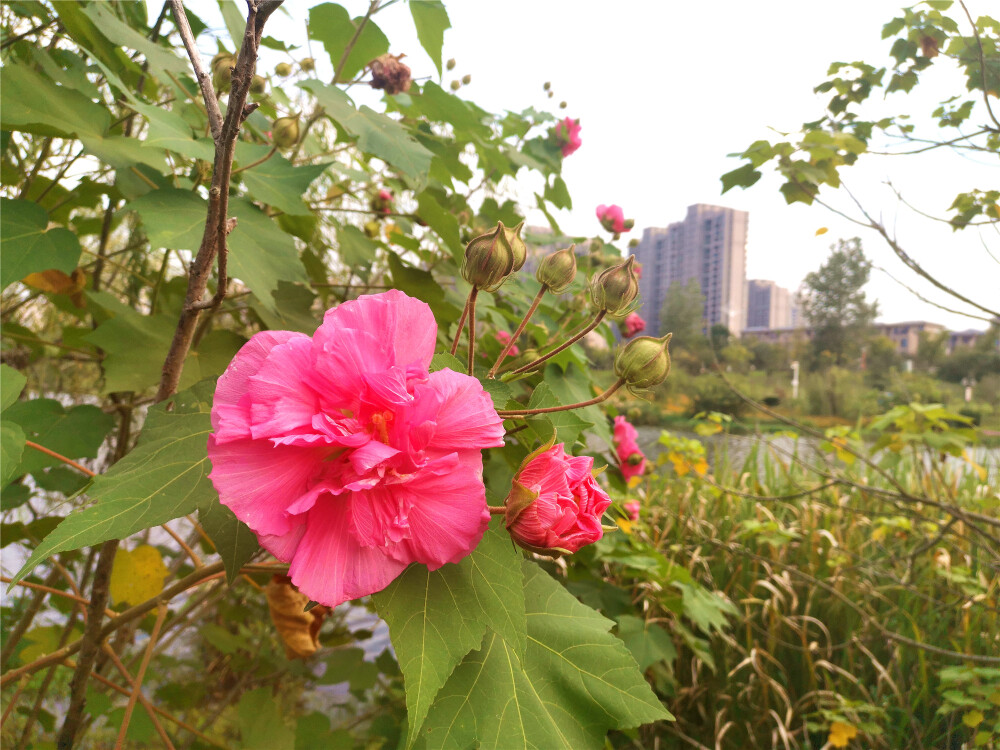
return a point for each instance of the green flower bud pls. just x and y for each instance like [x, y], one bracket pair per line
[489, 260]
[557, 270]
[455, 85]
[563, 105]
[450, 65]
[283, 69]
[258, 85]
[372, 229]
[467, 79]
[517, 245]
[644, 362]
[547, 85]
[285, 132]
[222, 71]
[614, 289]
[307, 64]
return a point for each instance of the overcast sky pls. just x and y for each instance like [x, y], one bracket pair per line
[665, 90]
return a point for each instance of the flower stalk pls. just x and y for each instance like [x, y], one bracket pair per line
[532, 365]
[520, 329]
[525, 413]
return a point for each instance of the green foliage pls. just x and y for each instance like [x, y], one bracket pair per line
[29, 245]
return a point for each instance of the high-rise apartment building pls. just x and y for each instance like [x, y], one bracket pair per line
[710, 246]
[768, 305]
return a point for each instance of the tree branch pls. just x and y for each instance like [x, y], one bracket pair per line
[204, 79]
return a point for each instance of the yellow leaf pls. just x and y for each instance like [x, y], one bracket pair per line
[624, 524]
[137, 575]
[973, 719]
[635, 481]
[701, 468]
[299, 630]
[841, 733]
[822, 230]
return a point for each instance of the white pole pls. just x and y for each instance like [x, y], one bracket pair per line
[795, 379]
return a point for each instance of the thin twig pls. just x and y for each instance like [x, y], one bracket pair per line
[204, 79]
[143, 701]
[69, 462]
[137, 685]
[983, 70]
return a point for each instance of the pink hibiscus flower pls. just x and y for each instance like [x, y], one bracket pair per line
[345, 456]
[504, 338]
[555, 505]
[632, 508]
[631, 460]
[634, 324]
[567, 132]
[612, 218]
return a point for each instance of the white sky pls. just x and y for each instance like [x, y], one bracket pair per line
[664, 90]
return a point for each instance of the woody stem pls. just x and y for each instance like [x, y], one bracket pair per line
[593, 324]
[472, 326]
[461, 325]
[523, 413]
[520, 329]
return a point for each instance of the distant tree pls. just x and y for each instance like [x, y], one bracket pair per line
[835, 305]
[931, 350]
[736, 356]
[683, 313]
[767, 356]
[882, 357]
[719, 336]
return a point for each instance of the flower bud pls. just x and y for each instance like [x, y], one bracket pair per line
[307, 64]
[450, 65]
[547, 85]
[382, 202]
[614, 289]
[372, 229]
[644, 362]
[563, 105]
[258, 85]
[517, 245]
[283, 69]
[489, 260]
[222, 71]
[455, 85]
[557, 270]
[285, 132]
[467, 79]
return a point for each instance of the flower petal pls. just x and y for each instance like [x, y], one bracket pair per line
[330, 566]
[462, 412]
[259, 481]
[231, 407]
[281, 402]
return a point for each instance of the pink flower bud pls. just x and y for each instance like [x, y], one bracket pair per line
[631, 460]
[555, 504]
[613, 219]
[504, 338]
[567, 135]
[634, 324]
[632, 508]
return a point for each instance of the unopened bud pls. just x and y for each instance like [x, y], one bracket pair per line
[222, 71]
[489, 260]
[517, 245]
[551, 95]
[372, 229]
[307, 64]
[467, 79]
[633, 242]
[557, 270]
[547, 85]
[644, 362]
[455, 85]
[258, 85]
[283, 69]
[629, 223]
[450, 65]
[285, 132]
[563, 105]
[614, 289]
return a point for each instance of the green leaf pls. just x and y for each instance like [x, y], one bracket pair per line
[29, 245]
[11, 448]
[421, 284]
[436, 618]
[262, 726]
[744, 177]
[377, 134]
[260, 254]
[128, 367]
[648, 642]
[558, 194]
[124, 35]
[569, 424]
[276, 182]
[331, 24]
[357, 250]
[576, 682]
[74, 433]
[32, 103]
[236, 22]
[164, 477]
[12, 383]
[441, 221]
[431, 20]
[232, 538]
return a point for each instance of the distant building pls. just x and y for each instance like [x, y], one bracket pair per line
[966, 338]
[906, 335]
[710, 246]
[768, 305]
